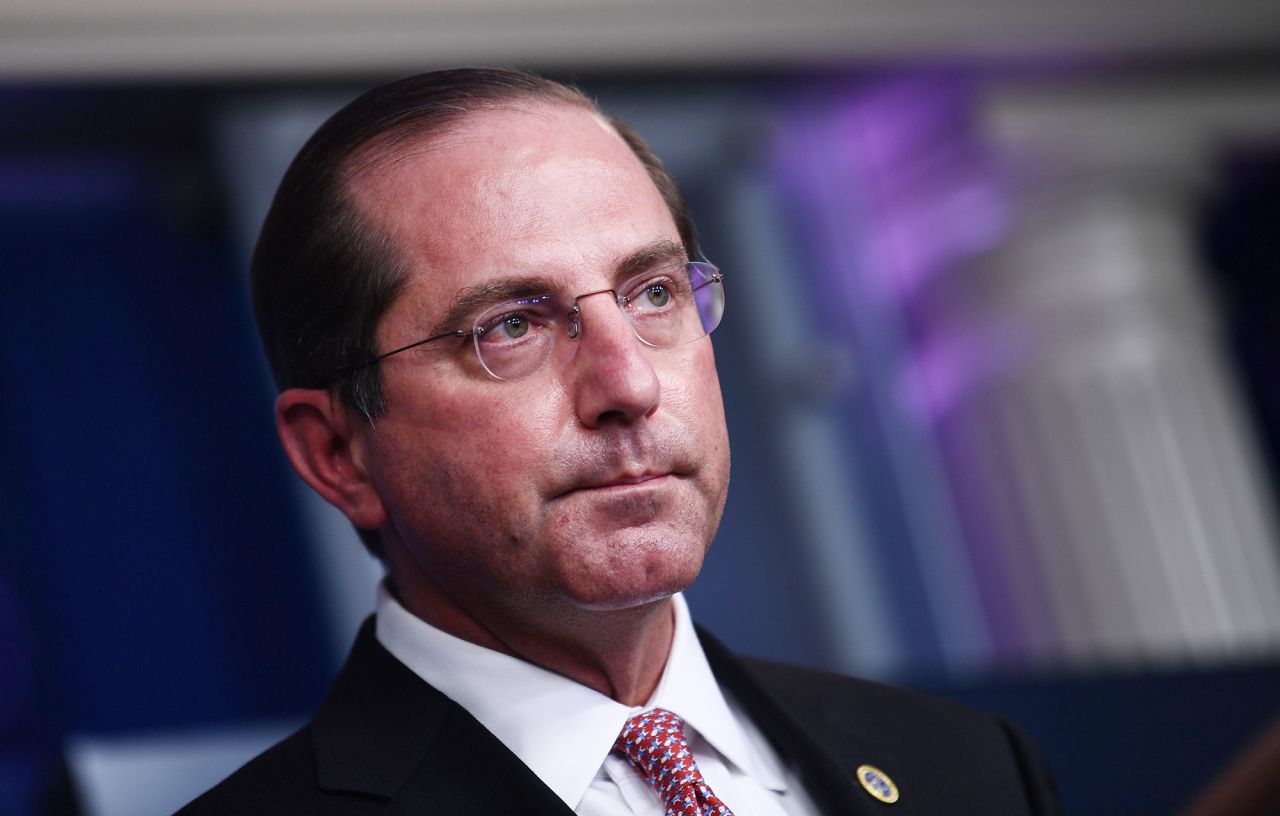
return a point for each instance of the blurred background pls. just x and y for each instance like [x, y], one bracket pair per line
[997, 362]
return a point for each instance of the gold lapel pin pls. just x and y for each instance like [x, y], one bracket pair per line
[877, 783]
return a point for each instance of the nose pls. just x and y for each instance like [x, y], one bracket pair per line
[612, 376]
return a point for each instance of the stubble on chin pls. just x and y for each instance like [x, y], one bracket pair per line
[627, 550]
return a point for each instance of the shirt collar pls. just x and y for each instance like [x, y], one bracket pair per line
[689, 689]
[526, 706]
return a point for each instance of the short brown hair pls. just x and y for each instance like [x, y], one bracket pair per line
[322, 276]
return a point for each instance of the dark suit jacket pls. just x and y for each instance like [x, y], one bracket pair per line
[386, 742]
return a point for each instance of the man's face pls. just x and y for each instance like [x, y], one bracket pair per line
[590, 485]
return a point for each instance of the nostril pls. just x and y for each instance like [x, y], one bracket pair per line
[612, 418]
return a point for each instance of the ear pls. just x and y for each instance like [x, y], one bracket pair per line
[321, 439]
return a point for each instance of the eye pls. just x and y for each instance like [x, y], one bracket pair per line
[514, 326]
[505, 328]
[657, 294]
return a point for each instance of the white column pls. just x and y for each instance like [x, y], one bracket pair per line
[1118, 438]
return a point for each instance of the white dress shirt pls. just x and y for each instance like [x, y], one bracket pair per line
[528, 708]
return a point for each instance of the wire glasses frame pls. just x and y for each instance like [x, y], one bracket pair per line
[667, 306]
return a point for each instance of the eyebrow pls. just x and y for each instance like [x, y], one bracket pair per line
[472, 299]
[648, 256]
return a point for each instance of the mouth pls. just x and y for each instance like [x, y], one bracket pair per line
[620, 482]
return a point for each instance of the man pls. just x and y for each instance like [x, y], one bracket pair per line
[485, 308]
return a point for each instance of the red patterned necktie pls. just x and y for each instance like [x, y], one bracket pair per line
[654, 742]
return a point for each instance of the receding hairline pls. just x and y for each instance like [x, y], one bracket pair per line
[408, 141]
[405, 143]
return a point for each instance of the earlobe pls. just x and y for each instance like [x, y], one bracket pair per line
[319, 438]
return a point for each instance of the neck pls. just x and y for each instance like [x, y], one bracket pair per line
[619, 653]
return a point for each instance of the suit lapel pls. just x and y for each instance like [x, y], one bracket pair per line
[469, 771]
[385, 732]
[825, 777]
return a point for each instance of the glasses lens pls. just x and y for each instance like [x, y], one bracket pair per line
[668, 306]
[674, 305]
[708, 292]
[515, 339]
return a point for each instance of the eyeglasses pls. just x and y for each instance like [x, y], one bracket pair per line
[667, 306]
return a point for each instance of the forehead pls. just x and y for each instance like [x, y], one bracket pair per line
[536, 189]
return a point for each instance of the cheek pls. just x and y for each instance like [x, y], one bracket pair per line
[691, 393]
[700, 400]
[712, 427]
[477, 449]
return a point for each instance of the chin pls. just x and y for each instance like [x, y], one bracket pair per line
[634, 568]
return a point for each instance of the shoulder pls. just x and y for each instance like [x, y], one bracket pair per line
[278, 775]
[946, 757]
[840, 702]
[281, 780]
[833, 705]
[364, 742]
[956, 749]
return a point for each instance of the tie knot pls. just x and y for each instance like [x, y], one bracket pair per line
[654, 743]
[649, 736]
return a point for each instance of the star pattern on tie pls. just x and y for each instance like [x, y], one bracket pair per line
[654, 743]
